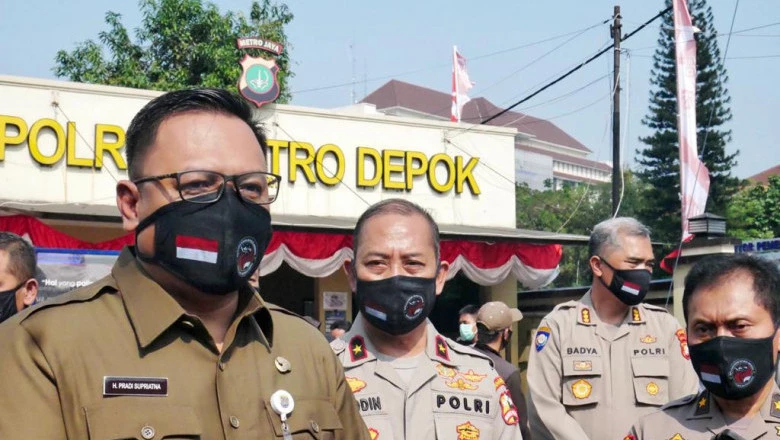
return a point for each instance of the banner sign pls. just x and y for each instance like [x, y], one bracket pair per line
[63, 270]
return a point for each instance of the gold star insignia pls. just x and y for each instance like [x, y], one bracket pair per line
[442, 348]
[702, 402]
[357, 349]
[777, 429]
[777, 404]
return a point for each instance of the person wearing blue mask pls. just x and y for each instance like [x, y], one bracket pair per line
[18, 286]
[467, 325]
[732, 306]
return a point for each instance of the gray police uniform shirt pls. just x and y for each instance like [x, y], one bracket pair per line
[589, 381]
[697, 417]
[454, 392]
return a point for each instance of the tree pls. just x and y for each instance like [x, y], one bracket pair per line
[179, 44]
[659, 160]
[573, 210]
[752, 214]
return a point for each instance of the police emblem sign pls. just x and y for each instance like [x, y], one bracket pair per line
[258, 82]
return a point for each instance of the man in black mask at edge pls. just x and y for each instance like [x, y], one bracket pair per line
[174, 343]
[603, 361]
[732, 306]
[410, 381]
[18, 286]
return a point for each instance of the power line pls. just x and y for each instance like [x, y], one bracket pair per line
[581, 65]
[437, 66]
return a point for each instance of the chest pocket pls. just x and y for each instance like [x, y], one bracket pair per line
[116, 419]
[311, 419]
[582, 380]
[651, 379]
[452, 427]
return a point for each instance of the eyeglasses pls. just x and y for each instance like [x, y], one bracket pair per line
[207, 186]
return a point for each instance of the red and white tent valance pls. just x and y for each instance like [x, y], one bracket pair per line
[319, 254]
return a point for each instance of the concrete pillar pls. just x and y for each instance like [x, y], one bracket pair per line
[692, 252]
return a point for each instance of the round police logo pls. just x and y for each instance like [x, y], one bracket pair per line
[742, 372]
[414, 306]
[246, 255]
[259, 78]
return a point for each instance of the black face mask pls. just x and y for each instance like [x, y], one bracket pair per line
[396, 305]
[733, 368]
[214, 247]
[629, 285]
[8, 302]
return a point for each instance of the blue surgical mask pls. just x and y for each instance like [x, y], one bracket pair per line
[467, 332]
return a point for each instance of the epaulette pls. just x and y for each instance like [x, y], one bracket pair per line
[567, 305]
[276, 308]
[79, 295]
[680, 402]
[338, 346]
[466, 350]
[655, 308]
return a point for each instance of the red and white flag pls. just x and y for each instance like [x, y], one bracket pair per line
[197, 249]
[694, 176]
[461, 84]
[631, 288]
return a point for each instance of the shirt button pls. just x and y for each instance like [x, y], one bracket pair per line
[221, 366]
[147, 432]
[234, 422]
[314, 426]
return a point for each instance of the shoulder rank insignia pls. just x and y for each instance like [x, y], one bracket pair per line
[683, 338]
[635, 315]
[357, 348]
[775, 410]
[355, 384]
[373, 433]
[702, 405]
[585, 315]
[467, 431]
[442, 350]
[629, 437]
[677, 437]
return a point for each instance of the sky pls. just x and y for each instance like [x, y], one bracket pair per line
[344, 49]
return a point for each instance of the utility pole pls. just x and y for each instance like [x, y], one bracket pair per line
[617, 177]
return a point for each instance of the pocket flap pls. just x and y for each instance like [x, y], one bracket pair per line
[309, 415]
[582, 366]
[657, 366]
[120, 419]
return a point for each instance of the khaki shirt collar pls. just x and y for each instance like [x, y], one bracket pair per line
[586, 313]
[152, 310]
[705, 408]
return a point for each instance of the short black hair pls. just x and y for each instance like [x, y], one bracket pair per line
[21, 256]
[143, 128]
[340, 324]
[395, 206]
[469, 309]
[712, 270]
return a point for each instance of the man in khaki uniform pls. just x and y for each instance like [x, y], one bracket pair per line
[600, 363]
[411, 382]
[732, 307]
[174, 343]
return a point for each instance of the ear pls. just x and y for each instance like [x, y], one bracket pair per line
[127, 197]
[349, 271]
[595, 266]
[441, 276]
[30, 292]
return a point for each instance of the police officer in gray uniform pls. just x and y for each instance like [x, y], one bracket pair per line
[732, 307]
[603, 361]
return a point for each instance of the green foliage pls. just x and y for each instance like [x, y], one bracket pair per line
[753, 212]
[659, 161]
[179, 44]
[573, 210]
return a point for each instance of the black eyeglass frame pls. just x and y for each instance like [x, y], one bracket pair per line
[225, 178]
